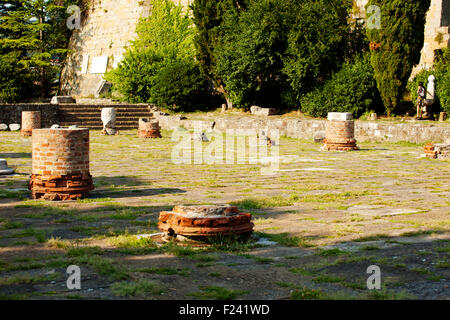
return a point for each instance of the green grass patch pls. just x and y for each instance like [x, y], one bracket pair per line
[259, 203]
[131, 241]
[327, 279]
[82, 251]
[385, 294]
[166, 271]
[217, 293]
[141, 288]
[330, 252]
[12, 225]
[302, 271]
[308, 294]
[286, 240]
[372, 238]
[103, 266]
[19, 195]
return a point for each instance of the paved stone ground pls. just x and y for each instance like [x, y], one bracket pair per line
[320, 221]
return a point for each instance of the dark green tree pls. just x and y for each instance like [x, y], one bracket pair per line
[399, 42]
[33, 38]
[318, 42]
[351, 89]
[208, 15]
[276, 50]
[249, 55]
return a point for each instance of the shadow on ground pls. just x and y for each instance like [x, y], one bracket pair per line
[15, 155]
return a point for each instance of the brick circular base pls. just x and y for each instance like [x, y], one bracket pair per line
[26, 133]
[30, 120]
[149, 128]
[149, 134]
[340, 136]
[430, 151]
[60, 187]
[179, 222]
[60, 164]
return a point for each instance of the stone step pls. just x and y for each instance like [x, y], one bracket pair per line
[100, 127]
[95, 119]
[74, 105]
[97, 116]
[93, 122]
[99, 110]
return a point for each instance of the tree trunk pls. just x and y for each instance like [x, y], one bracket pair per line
[41, 38]
[222, 90]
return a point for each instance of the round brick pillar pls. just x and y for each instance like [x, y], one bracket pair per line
[340, 133]
[60, 169]
[149, 128]
[30, 120]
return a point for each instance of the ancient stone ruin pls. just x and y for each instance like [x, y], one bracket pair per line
[62, 99]
[60, 164]
[149, 128]
[30, 120]
[438, 151]
[262, 111]
[14, 127]
[205, 221]
[109, 121]
[4, 170]
[340, 132]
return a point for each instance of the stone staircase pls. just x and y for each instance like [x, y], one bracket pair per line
[89, 116]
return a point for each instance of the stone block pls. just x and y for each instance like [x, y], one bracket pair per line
[4, 168]
[108, 116]
[262, 111]
[200, 137]
[340, 116]
[103, 88]
[62, 99]
[3, 127]
[14, 127]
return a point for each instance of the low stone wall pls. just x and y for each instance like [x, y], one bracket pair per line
[414, 132]
[12, 113]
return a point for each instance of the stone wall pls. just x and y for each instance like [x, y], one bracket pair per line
[414, 132]
[12, 113]
[437, 34]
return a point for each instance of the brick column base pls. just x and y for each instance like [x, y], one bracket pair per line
[149, 128]
[60, 188]
[339, 136]
[26, 133]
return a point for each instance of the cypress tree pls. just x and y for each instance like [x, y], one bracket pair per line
[33, 34]
[208, 16]
[396, 46]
